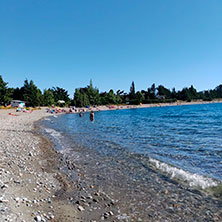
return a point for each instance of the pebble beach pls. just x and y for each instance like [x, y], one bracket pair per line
[29, 177]
[33, 188]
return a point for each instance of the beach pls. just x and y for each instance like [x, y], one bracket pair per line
[33, 186]
[38, 183]
[29, 177]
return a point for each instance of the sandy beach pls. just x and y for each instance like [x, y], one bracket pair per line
[36, 184]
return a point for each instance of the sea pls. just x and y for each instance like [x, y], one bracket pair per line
[181, 143]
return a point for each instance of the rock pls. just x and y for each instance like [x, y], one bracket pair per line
[4, 186]
[38, 218]
[2, 200]
[17, 199]
[96, 194]
[106, 215]
[80, 208]
[24, 199]
[52, 216]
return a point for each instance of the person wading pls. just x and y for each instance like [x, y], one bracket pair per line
[91, 116]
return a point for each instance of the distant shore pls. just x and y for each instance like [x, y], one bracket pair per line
[178, 103]
[129, 106]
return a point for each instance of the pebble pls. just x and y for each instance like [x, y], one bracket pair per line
[80, 208]
[38, 218]
[4, 186]
[2, 200]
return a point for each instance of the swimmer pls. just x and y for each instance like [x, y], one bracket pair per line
[91, 116]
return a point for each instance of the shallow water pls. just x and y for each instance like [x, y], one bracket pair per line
[184, 142]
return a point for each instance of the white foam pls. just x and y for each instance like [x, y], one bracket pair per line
[194, 180]
[53, 133]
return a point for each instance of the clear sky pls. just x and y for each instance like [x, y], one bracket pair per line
[66, 43]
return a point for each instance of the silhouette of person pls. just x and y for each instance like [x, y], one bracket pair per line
[91, 116]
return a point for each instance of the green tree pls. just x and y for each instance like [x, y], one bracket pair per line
[77, 98]
[93, 94]
[132, 92]
[5, 93]
[173, 94]
[139, 97]
[185, 95]
[81, 98]
[87, 96]
[31, 94]
[48, 97]
[162, 91]
[193, 92]
[218, 91]
[119, 96]
[103, 98]
[60, 94]
[111, 97]
[151, 92]
[17, 94]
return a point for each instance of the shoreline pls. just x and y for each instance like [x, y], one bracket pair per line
[120, 107]
[36, 180]
[178, 103]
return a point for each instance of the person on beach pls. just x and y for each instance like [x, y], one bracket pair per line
[80, 114]
[91, 116]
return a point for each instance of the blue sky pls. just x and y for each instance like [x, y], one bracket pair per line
[113, 42]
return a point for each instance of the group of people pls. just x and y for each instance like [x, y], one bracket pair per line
[81, 112]
[91, 116]
[55, 110]
[19, 109]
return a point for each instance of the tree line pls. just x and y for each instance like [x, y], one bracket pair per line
[90, 96]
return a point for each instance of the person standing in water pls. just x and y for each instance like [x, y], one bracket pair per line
[91, 116]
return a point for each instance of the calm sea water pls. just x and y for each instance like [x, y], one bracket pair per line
[181, 141]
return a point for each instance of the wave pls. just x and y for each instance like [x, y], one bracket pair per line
[59, 143]
[194, 180]
[53, 133]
